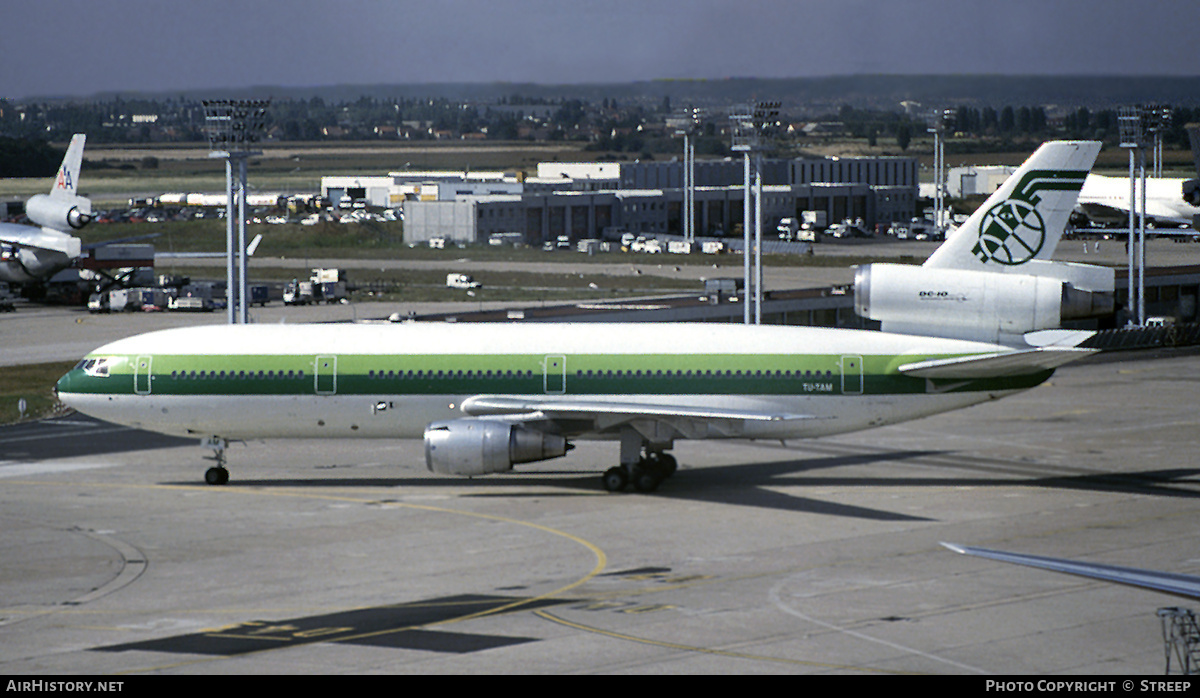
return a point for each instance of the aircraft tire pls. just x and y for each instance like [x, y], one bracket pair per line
[216, 476]
[615, 479]
[664, 464]
[646, 481]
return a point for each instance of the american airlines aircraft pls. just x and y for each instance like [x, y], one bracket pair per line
[967, 327]
[35, 253]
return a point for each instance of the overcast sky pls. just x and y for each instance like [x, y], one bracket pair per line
[80, 47]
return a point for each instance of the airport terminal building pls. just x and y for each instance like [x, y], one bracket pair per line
[590, 200]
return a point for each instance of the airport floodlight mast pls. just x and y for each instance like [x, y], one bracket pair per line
[939, 123]
[1131, 125]
[233, 128]
[749, 132]
[687, 126]
[1158, 120]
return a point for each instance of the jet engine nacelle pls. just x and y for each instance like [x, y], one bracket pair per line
[1191, 192]
[481, 446]
[983, 306]
[59, 213]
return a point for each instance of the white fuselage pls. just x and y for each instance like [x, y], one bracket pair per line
[343, 382]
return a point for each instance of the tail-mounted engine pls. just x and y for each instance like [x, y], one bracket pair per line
[61, 213]
[481, 446]
[977, 305]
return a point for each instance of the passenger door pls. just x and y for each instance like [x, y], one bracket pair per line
[141, 375]
[325, 370]
[554, 371]
[852, 375]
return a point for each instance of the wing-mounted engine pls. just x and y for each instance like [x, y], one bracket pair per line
[482, 446]
[61, 213]
[979, 305]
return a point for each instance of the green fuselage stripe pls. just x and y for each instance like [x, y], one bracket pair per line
[471, 374]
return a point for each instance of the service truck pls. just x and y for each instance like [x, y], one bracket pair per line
[461, 281]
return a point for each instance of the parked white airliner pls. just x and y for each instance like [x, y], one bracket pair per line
[1165, 198]
[960, 330]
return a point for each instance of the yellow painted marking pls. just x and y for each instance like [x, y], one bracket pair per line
[601, 558]
[707, 650]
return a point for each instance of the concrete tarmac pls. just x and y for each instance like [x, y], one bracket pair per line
[814, 557]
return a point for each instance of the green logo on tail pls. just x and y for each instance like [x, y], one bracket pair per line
[1012, 232]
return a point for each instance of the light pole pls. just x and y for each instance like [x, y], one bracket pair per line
[687, 127]
[748, 134]
[233, 127]
[1131, 126]
[938, 129]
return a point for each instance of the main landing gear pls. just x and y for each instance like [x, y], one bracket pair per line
[643, 464]
[645, 475]
[216, 475]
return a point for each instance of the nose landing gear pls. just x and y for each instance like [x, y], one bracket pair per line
[216, 475]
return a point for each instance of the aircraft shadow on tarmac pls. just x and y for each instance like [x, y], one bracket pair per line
[753, 484]
[745, 484]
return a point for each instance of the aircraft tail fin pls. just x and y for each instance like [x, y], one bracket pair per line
[1193, 131]
[63, 209]
[66, 182]
[1191, 187]
[1025, 218]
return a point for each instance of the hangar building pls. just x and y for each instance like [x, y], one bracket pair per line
[588, 200]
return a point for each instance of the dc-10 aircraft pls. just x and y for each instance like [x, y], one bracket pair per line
[31, 253]
[485, 397]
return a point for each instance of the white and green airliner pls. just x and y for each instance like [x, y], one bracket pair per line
[487, 396]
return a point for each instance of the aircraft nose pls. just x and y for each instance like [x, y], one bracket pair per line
[63, 385]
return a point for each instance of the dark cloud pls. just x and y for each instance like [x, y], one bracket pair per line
[82, 47]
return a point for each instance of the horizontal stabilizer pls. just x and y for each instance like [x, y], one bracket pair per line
[1183, 585]
[998, 365]
[482, 405]
[45, 239]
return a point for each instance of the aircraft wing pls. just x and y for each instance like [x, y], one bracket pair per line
[250, 249]
[1183, 585]
[482, 405]
[997, 365]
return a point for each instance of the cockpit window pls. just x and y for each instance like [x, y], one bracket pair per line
[97, 367]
